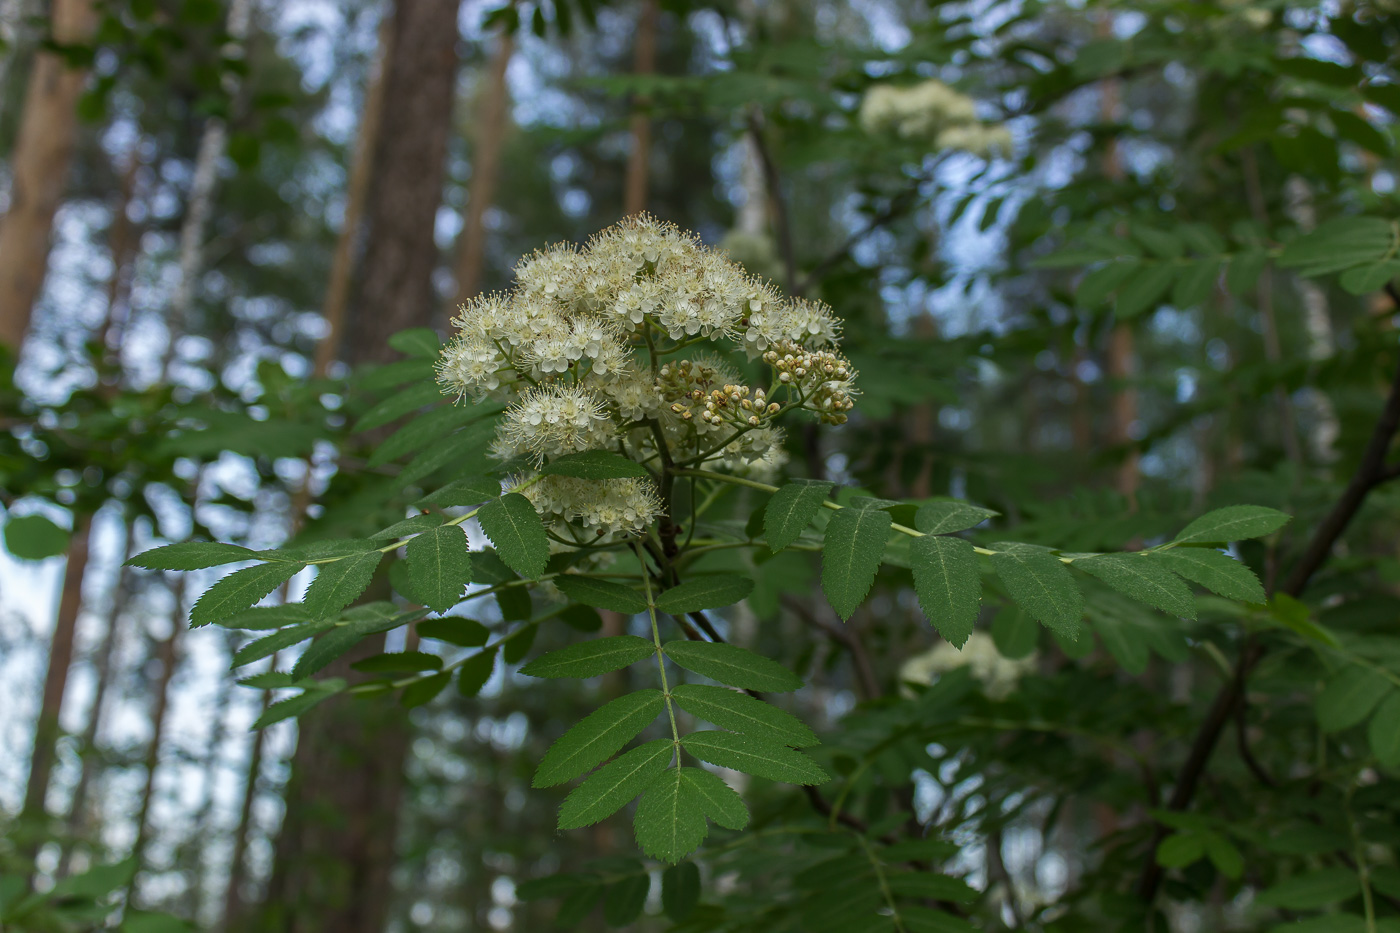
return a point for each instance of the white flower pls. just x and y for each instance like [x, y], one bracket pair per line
[999, 675]
[553, 420]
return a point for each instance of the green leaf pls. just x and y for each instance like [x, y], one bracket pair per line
[518, 644]
[475, 672]
[1142, 291]
[1366, 279]
[597, 736]
[718, 800]
[417, 341]
[919, 919]
[732, 665]
[1383, 733]
[339, 583]
[680, 891]
[612, 786]
[754, 756]
[1140, 578]
[1040, 584]
[624, 900]
[1232, 523]
[271, 644]
[1244, 270]
[423, 691]
[515, 529]
[423, 430]
[465, 451]
[189, 555]
[1096, 286]
[35, 537]
[1015, 632]
[1311, 891]
[407, 662]
[790, 510]
[1181, 849]
[464, 633]
[594, 464]
[1218, 572]
[670, 823]
[440, 566]
[948, 584]
[399, 404]
[1339, 244]
[411, 525]
[591, 658]
[855, 544]
[292, 706]
[931, 885]
[739, 712]
[1224, 856]
[473, 491]
[1294, 615]
[702, 593]
[949, 515]
[1349, 697]
[261, 618]
[240, 590]
[397, 373]
[1195, 282]
[601, 594]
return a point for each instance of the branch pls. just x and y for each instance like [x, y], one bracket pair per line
[898, 206]
[860, 659]
[775, 196]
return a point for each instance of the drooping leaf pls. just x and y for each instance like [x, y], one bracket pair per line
[670, 823]
[949, 515]
[339, 583]
[948, 584]
[702, 593]
[591, 658]
[1040, 584]
[597, 736]
[625, 898]
[1339, 244]
[440, 566]
[740, 712]
[851, 554]
[754, 756]
[1141, 292]
[1218, 572]
[291, 706]
[240, 590]
[615, 784]
[718, 800]
[464, 633]
[732, 665]
[1138, 577]
[1312, 890]
[518, 643]
[424, 690]
[514, 527]
[285, 638]
[399, 404]
[931, 885]
[424, 430]
[341, 638]
[475, 672]
[1349, 697]
[602, 594]
[594, 464]
[1232, 523]
[680, 891]
[790, 510]
[188, 555]
[262, 618]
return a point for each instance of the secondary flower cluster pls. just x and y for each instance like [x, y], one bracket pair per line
[935, 112]
[591, 349]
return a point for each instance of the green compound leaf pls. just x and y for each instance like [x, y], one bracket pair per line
[1218, 572]
[670, 821]
[514, 527]
[1349, 697]
[718, 800]
[339, 583]
[615, 784]
[680, 891]
[790, 510]
[704, 593]
[740, 712]
[948, 584]
[754, 756]
[855, 544]
[594, 464]
[399, 404]
[440, 566]
[284, 638]
[475, 671]
[949, 515]
[591, 658]
[1139, 577]
[190, 555]
[428, 428]
[240, 590]
[601, 594]
[1233, 523]
[1040, 584]
[597, 736]
[730, 664]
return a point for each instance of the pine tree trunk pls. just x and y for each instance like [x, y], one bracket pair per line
[634, 199]
[43, 149]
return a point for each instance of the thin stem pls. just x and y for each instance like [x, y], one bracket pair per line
[660, 661]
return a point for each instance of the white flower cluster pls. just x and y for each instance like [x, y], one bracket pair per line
[934, 112]
[591, 351]
[999, 675]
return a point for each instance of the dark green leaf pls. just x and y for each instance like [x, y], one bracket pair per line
[472, 491]
[855, 544]
[422, 691]
[240, 590]
[440, 566]
[1015, 633]
[1383, 732]
[670, 823]
[35, 537]
[948, 584]
[597, 736]
[1339, 244]
[189, 555]
[271, 644]
[1220, 573]
[417, 341]
[411, 525]
[1349, 697]
[591, 658]
[408, 662]
[1232, 523]
[949, 515]
[518, 644]
[464, 633]
[425, 429]
[754, 756]
[1312, 890]
[292, 706]
[739, 712]
[704, 593]
[718, 800]
[399, 404]
[515, 529]
[603, 594]
[475, 671]
[1139, 577]
[931, 885]
[613, 785]
[790, 510]
[1142, 291]
[680, 890]
[339, 583]
[624, 900]
[732, 665]
[1040, 584]
[594, 464]
[1195, 282]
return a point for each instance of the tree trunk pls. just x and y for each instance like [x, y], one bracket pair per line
[634, 198]
[486, 164]
[42, 152]
[335, 851]
[46, 730]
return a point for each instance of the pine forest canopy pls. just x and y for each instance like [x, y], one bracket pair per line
[761, 467]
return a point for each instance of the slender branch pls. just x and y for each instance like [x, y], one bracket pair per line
[774, 184]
